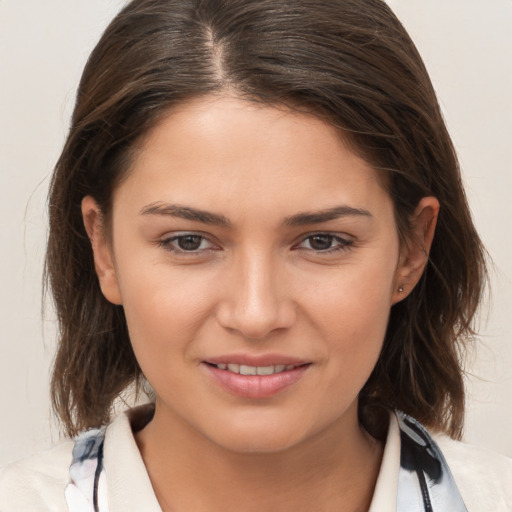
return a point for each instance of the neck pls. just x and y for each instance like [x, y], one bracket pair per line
[334, 470]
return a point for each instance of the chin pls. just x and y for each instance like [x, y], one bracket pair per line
[258, 444]
[264, 437]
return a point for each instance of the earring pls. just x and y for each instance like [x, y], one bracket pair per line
[400, 289]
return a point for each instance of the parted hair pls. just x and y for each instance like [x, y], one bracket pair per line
[352, 64]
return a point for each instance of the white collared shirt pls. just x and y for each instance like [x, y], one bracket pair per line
[37, 483]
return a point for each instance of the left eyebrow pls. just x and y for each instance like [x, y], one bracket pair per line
[305, 218]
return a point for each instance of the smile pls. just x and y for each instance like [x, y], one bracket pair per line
[243, 369]
[258, 380]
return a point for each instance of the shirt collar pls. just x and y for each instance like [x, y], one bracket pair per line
[384, 496]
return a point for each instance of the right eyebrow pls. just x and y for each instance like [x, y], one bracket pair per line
[185, 212]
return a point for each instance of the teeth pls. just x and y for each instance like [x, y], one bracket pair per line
[266, 370]
[247, 370]
[243, 369]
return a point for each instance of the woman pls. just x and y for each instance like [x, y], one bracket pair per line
[264, 220]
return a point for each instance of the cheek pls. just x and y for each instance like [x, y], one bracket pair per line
[351, 307]
[164, 308]
[355, 327]
[354, 298]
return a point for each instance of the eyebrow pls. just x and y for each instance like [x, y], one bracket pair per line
[299, 219]
[305, 218]
[185, 212]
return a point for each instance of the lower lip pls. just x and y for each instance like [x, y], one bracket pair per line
[256, 386]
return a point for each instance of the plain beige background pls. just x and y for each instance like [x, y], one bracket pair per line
[467, 46]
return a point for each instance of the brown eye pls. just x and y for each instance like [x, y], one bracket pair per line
[325, 242]
[189, 242]
[321, 242]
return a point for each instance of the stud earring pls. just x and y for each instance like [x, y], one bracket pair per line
[400, 289]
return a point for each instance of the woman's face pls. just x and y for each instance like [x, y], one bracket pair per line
[250, 240]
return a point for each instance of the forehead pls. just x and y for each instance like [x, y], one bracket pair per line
[223, 150]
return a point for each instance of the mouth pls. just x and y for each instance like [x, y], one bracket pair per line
[262, 379]
[242, 369]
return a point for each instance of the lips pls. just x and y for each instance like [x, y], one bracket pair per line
[255, 376]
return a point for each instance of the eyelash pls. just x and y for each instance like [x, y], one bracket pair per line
[166, 243]
[343, 244]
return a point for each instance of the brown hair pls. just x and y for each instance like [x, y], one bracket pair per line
[351, 63]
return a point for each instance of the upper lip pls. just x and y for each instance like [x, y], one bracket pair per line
[257, 360]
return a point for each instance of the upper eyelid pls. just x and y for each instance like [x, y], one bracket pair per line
[179, 234]
[345, 237]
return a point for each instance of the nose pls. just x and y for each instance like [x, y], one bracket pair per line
[255, 301]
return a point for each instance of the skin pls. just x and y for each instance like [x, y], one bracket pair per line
[256, 284]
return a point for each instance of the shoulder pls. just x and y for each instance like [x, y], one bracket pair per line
[37, 482]
[483, 477]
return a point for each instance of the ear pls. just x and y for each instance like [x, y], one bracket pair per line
[103, 256]
[414, 253]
